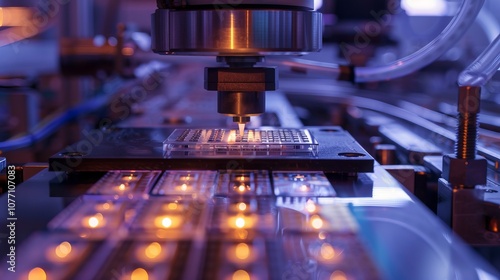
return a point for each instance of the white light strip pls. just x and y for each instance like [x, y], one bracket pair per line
[425, 7]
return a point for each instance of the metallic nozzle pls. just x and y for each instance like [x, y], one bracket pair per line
[241, 120]
[241, 104]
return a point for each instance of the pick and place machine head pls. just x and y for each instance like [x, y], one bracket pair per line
[240, 33]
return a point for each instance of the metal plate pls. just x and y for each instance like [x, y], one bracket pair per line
[142, 149]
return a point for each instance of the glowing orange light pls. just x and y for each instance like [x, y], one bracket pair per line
[93, 222]
[172, 206]
[327, 251]
[63, 250]
[242, 206]
[242, 251]
[240, 222]
[127, 51]
[166, 222]
[153, 250]
[310, 206]
[106, 206]
[37, 273]
[241, 233]
[316, 222]
[139, 274]
[338, 275]
[241, 275]
[322, 236]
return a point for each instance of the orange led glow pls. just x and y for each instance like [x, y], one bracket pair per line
[241, 233]
[338, 275]
[241, 275]
[63, 250]
[93, 222]
[105, 206]
[316, 222]
[37, 273]
[240, 222]
[167, 221]
[242, 251]
[322, 236]
[153, 250]
[172, 206]
[327, 251]
[127, 51]
[139, 274]
[310, 206]
[242, 206]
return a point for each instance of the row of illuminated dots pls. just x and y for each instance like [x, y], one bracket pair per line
[185, 185]
[98, 220]
[240, 253]
[64, 253]
[176, 219]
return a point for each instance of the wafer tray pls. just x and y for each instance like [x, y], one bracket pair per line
[329, 149]
[253, 141]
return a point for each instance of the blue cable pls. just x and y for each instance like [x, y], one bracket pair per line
[52, 126]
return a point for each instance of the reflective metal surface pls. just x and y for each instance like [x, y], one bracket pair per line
[202, 226]
[236, 32]
[309, 4]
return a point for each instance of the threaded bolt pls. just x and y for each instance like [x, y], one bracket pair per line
[468, 108]
[465, 147]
